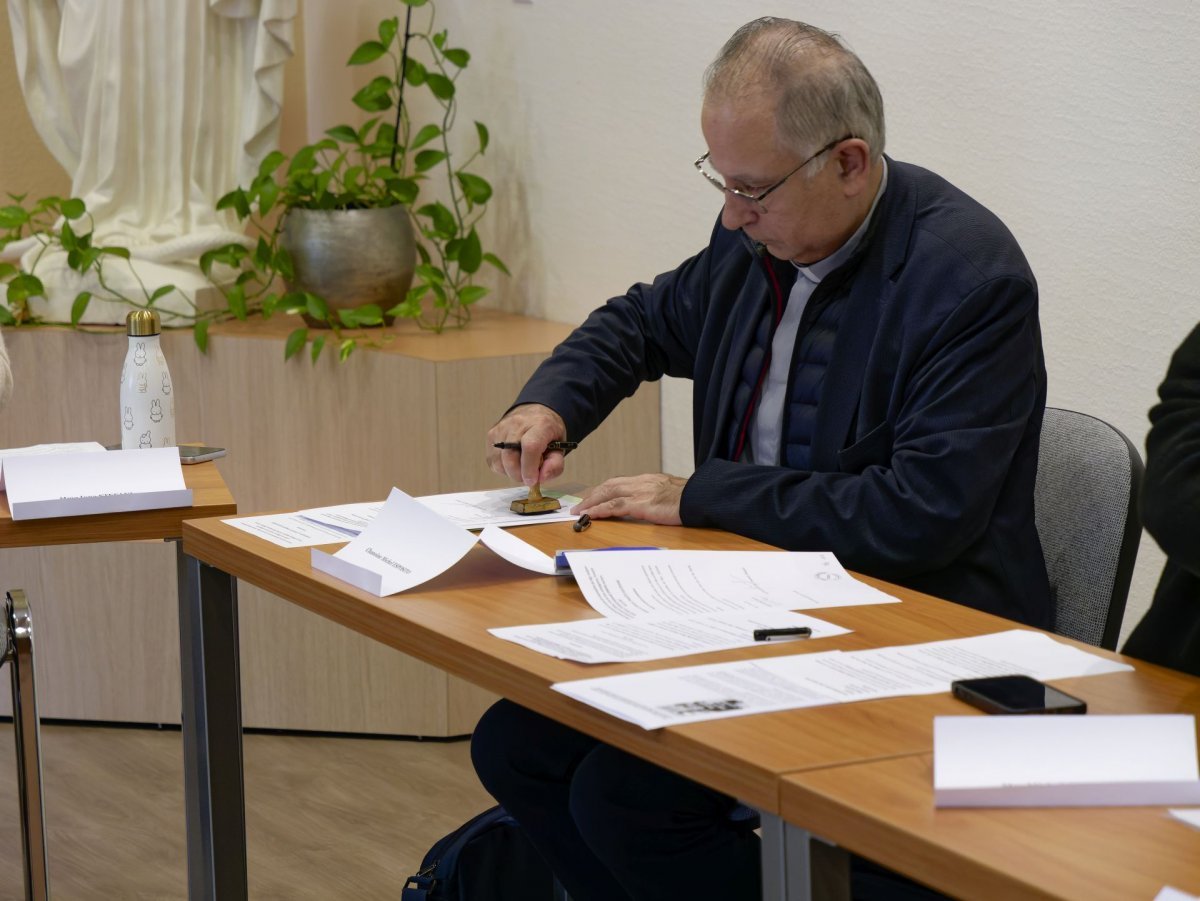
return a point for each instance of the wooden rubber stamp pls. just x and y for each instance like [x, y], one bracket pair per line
[535, 503]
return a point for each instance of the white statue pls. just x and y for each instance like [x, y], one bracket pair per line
[157, 108]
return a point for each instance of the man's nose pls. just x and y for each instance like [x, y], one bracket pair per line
[738, 212]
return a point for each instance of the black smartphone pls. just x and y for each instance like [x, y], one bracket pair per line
[1015, 694]
[190, 454]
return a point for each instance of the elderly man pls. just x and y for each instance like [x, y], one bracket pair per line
[864, 345]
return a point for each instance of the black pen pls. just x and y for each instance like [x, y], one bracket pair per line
[791, 632]
[563, 446]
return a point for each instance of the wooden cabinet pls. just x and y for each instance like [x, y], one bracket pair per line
[412, 413]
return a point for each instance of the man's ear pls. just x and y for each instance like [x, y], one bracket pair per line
[853, 159]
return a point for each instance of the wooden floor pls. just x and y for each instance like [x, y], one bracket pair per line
[326, 818]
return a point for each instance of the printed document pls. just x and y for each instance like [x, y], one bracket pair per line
[405, 544]
[719, 690]
[301, 529]
[608, 640]
[476, 509]
[79, 484]
[695, 583]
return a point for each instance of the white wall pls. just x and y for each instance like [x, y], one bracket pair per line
[1077, 122]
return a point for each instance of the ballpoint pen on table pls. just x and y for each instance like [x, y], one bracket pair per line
[790, 632]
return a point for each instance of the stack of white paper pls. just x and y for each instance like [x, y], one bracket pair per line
[34, 450]
[78, 484]
[1064, 761]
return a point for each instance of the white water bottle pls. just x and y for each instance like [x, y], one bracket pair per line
[147, 397]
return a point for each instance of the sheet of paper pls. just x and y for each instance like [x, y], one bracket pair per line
[1169, 893]
[79, 484]
[518, 552]
[1064, 761]
[476, 509]
[405, 544]
[694, 583]
[1191, 815]
[347, 519]
[74, 447]
[608, 640]
[289, 529]
[713, 691]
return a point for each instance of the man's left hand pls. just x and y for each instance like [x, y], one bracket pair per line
[653, 497]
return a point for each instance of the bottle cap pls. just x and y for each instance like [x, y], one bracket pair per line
[141, 323]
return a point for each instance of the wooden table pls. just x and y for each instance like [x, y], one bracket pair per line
[445, 622]
[210, 497]
[883, 810]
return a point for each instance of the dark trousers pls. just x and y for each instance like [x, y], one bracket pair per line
[610, 825]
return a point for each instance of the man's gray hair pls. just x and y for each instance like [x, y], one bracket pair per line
[824, 91]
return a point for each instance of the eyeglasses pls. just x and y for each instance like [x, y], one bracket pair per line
[753, 195]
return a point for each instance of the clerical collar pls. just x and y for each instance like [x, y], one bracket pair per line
[814, 272]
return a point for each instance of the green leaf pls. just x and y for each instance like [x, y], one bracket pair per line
[270, 163]
[458, 57]
[236, 296]
[348, 317]
[424, 136]
[200, 334]
[405, 190]
[482, 131]
[346, 348]
[160, 292]
[444, 223]
[427, 159]
[471, 255]
[8, 269]
[122, 252]
[316, 307]
[365, 129]
[470, 294]
[369, 314]
[262, 253]
[442, 87]
[23, 287]
[367, 52]
[388, 29]
[79, 307]
[414, 72]
[303, 161]
[497, 262]
[66, 236]
[295, 343]
[73, 208]
[6, 317]
[439, 39]
[431, 274]
[13, 217]
[375, 96]
[235, 199]
[414, 3]
[477, 190]
[343, 133]
[267, 197]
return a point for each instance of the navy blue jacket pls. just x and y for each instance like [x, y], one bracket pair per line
[925, 441]
[1169, 634]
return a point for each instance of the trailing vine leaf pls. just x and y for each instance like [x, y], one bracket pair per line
[295, 343]
[318, 345]
[79, 307]
[200, 334]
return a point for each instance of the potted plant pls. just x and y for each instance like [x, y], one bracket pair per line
[353, 192]
[324, 218]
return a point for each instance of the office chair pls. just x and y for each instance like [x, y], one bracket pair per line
[1086, 508]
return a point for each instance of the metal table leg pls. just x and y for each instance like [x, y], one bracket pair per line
[799, 866]
[214, 797]
[18, 653]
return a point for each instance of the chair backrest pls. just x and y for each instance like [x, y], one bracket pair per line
[1085, 504]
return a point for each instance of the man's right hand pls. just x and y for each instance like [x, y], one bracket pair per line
[534, 426]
